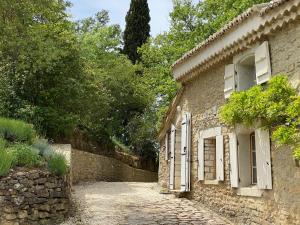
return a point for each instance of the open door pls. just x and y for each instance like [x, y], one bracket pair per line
[185, 152]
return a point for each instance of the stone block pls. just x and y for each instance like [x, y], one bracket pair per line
[8, 216]
[22, 214]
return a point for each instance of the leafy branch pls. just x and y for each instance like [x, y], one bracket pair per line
[276, 106]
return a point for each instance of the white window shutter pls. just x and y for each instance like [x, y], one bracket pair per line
[234, 175]
[172, 157]
[200, 158]
[219, 158]
[167, 147]
[185, 152]
[263, 63]
[189, 145]
[229, 80]
[263, 159]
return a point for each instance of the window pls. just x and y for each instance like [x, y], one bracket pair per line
[247, 158]
[248, 69]
[210, 158]
[250, 161]
[246, 77]
[211, 155]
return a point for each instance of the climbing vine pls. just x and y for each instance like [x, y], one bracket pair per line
[275, 106]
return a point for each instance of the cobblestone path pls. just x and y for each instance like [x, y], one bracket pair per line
[135, 204]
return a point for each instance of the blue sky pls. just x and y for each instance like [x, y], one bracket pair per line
[159, 11]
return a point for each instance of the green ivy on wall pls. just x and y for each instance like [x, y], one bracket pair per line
[275, 105]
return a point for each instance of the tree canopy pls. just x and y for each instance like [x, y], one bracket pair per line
[61, 75]
[137, 29]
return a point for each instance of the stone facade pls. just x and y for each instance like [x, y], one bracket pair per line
[202, 97]
[86, 166]
[33, 196]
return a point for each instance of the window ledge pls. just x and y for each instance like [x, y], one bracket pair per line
[250, 191]
[211, 182]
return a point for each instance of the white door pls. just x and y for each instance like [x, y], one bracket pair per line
[172, 157]
[185, 152]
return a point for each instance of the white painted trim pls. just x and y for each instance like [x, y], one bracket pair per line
[211, 182]
[250, 191]
[220, 157]
[245, 54]
[200, 159]
[211, 132]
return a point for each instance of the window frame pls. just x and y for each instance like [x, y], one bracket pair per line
[207, 134]
[237, 60]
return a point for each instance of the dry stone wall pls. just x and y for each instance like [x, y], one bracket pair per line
[86, 166]
[33, 197]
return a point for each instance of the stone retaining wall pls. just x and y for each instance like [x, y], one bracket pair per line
[85, 143]
[86, 166]
[33, 197]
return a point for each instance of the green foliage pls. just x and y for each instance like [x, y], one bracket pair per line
[59, 75]
[40, 67]
[137, 29]
[3, 143]
[142, 135]
[275, 106]
[191, 23]
[43, 148]
[296, 152]
[122, 147]
[57, 164]
[118, 94]
[93, 23]
[16, 131]
[6, 160]
[24, 155]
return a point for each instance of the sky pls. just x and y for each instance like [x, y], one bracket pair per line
[159, 11]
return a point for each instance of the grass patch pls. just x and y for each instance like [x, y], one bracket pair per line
[3, 143]
[16, 131]
[57, 164]
[19, 146]
[24, 155]
[5, 162]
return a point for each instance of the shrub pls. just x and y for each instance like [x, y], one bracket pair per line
[6, 160]
[276, 106]
[16, 131]
[43, 147]
[296, 152]
[24, 155]
[57, 164]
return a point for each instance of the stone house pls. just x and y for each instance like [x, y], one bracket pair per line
[236, 172]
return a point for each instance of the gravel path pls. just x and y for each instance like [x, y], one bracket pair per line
[135, 204]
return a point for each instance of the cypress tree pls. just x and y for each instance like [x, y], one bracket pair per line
[137, 28]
